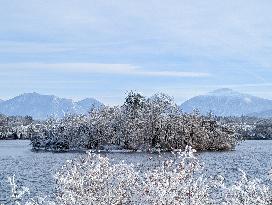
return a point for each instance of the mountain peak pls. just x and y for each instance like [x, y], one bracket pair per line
[35, 94]
[224, 91]
[86, 100]
[89, 103]
[227, 102]
[43, 106]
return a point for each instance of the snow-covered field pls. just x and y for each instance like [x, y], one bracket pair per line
[35, 170]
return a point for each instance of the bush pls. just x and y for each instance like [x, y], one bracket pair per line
[93, 179]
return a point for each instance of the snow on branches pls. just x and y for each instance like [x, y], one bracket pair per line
[139, 124]
[94, 179]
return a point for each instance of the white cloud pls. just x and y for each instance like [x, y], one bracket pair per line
[173, 73]
[99, 68]
[237, 29]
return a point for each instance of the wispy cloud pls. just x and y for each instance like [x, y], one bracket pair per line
[172, 73]
[193, 46]
[99, 68]
[33, 47]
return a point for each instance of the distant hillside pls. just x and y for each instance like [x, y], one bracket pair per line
[263, 114]
[43, 106]
[88, 103]
[227, 102]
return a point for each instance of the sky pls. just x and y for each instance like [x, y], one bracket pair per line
[105, 48]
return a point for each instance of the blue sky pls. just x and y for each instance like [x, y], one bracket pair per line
[104, 48]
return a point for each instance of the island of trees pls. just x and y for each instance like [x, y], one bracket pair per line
[141, 123]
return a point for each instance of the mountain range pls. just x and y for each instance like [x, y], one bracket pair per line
[221, 102]
[43, 106]
[227, 102]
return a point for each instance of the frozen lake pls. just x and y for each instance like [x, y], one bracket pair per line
[35, 170]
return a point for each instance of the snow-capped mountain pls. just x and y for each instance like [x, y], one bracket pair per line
[227, 102]
[89, 103]
[44, 106]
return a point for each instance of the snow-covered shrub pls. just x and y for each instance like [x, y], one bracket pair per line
[177, 182]
[245, 191]
[17, 192]
[94, 179]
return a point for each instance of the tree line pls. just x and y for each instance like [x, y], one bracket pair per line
[14, 127]
[249, 128]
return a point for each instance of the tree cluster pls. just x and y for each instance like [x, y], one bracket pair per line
[249, 128]
[14, 127]
[139, 124]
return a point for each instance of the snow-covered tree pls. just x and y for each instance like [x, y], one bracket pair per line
[140, 123]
